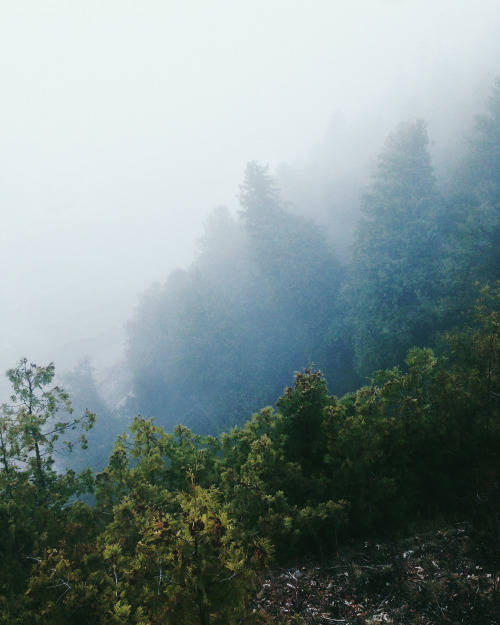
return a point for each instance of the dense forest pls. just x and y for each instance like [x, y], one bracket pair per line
[268, 294]
[176, 525]
[392, 417]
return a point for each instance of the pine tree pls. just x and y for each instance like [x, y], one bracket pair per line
[395, 272]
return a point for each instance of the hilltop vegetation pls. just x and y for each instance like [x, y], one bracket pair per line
[178, 524]
[395, 425]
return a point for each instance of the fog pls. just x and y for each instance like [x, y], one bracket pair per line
[123, 124]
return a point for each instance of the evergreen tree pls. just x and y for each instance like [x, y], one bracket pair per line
[302, 425]
[472, 223]
[395, 273]
[218, 341]
[35, 498]
[32, 424]
[301, 275]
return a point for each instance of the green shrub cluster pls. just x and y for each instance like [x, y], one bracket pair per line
[173, 529]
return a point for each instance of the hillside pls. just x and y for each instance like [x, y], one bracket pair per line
[447, 575]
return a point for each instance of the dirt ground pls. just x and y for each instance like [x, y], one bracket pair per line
[449, 575]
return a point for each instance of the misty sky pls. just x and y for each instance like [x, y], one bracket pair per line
[122, 124]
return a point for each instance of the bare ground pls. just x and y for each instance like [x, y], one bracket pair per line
[449, 575]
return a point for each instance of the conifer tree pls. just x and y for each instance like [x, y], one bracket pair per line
[395, 272]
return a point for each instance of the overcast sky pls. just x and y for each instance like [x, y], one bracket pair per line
[122, 124]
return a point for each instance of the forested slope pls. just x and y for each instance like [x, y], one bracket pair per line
[268, 295]
[392, 418]
[175, 527]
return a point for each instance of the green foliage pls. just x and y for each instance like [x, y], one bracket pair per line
[32, 429]
[34, 497]
[29, 425]
[253, 488]
[396, 265]
[302, 423]
[207, 571]
[471, 226]
[418, 441]
[475, 356]
[180, 522]
[271, 492]
[164, 549]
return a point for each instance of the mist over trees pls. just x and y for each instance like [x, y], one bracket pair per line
[395, 272]
[395, 347]
[269, 294]
[176, 525]
[474, 207]
[298, 418]
[220, 339]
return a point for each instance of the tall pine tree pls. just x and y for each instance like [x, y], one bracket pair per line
[396, 261]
